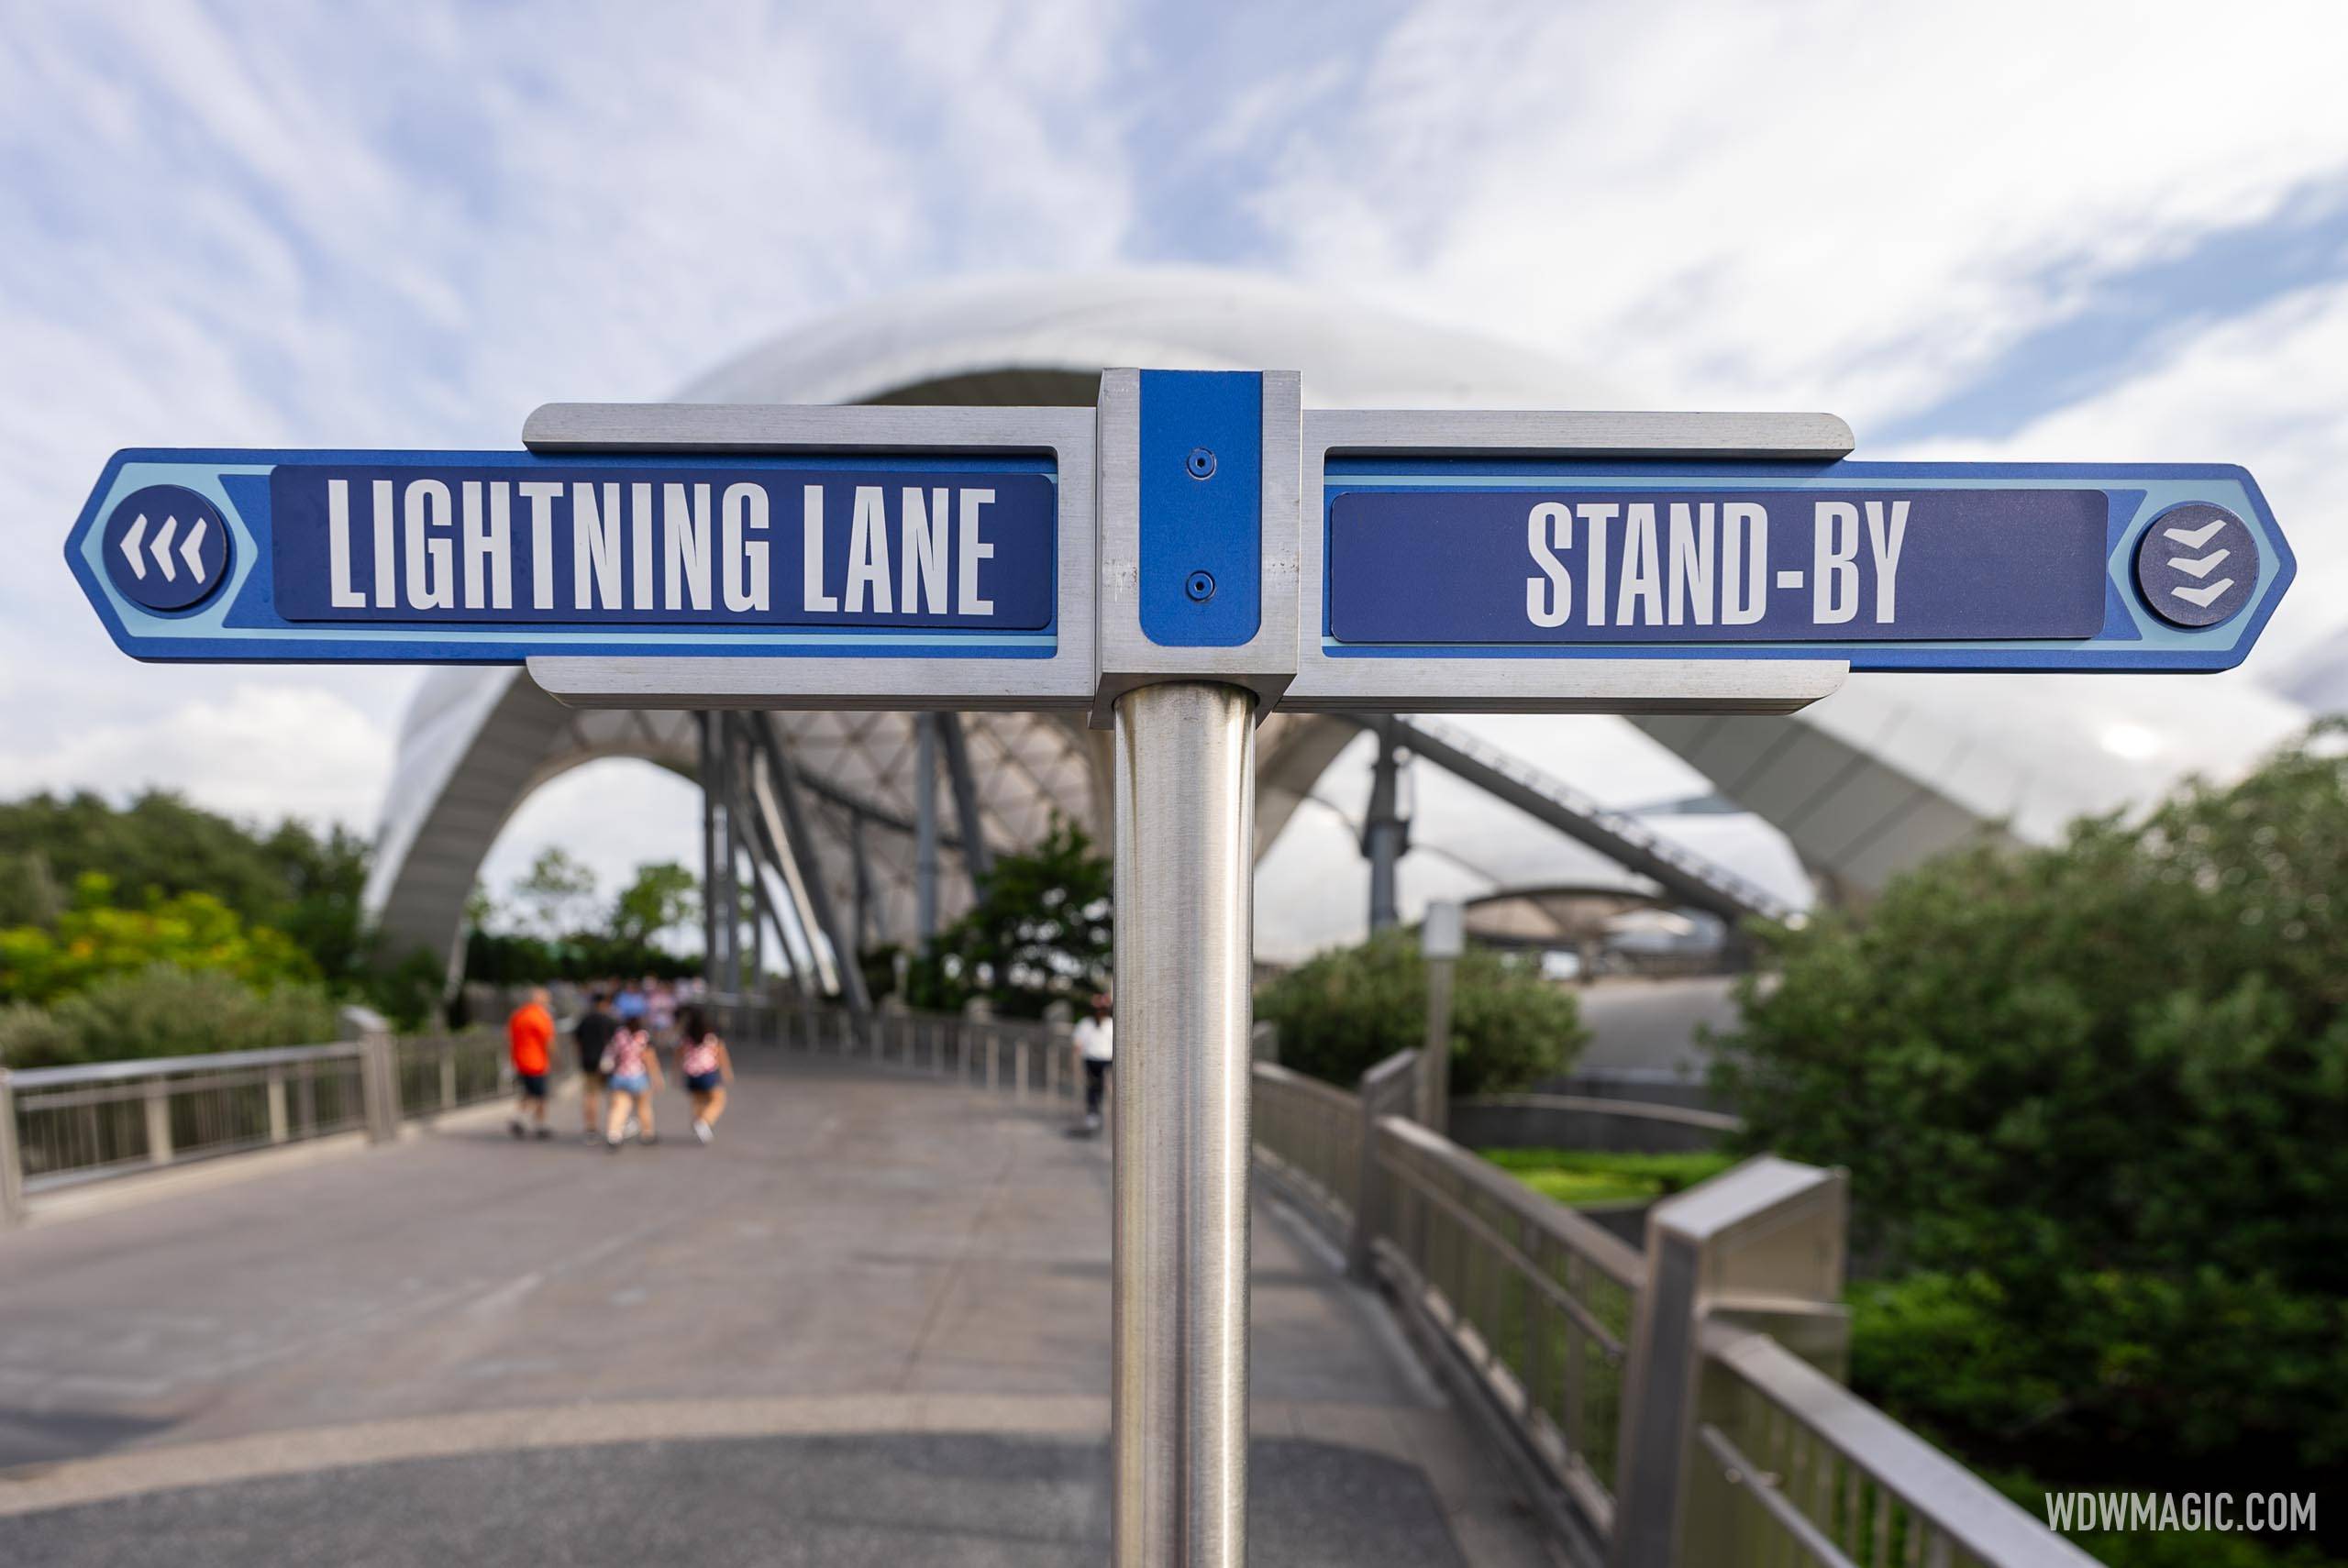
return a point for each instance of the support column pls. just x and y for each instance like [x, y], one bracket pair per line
[1185, 829]
[730, 794]
[860, 922]
[977, 860]
[799, 837]
[710, 902]
[925, 831]
[1385, 832]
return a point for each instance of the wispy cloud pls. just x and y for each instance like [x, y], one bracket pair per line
[2096, 229]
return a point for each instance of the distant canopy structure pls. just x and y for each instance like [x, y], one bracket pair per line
[1887, 771]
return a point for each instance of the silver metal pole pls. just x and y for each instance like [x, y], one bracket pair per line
[1185, 832]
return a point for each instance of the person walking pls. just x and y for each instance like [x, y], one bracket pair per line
[631, 1075]
[660, 1015]
[529, 1038]
[592, 1036]
[1096, 1038]
[708, 1068]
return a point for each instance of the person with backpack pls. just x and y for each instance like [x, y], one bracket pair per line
[708, 1068]
[631, 1075]
[592, 1036]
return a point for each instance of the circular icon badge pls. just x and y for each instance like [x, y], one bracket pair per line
[166, 547]
[2197, 565]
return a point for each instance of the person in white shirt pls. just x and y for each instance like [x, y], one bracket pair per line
[1096, 1039]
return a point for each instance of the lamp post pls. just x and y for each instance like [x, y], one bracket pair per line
[1442, 938]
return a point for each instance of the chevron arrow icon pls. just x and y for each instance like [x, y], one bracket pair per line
[2203, 596]
[162, 549]
[2194, 538]
[192, 550]
[130, 546]
[2200, 568]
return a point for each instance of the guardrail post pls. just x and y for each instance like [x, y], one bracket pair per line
[448, 1077]
[159, 1122]
[379, 1077]
[278, 1123]
[12, 1166]
[1761, 1245]
[1386, 1090]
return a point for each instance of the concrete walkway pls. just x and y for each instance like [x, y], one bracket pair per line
[869, 1324]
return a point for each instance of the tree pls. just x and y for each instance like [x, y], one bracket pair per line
[96, 941]
[2091, 1096]
[558, 892]
[292, 877]
[663, 897]
[1041, 932]
[1343, 1012]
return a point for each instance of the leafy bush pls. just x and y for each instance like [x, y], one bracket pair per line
[1041, 932]
[2096, 1092]
[166, 1012]
[1342, 1012]
[288, 877]
[94, 941]
[32, 1037]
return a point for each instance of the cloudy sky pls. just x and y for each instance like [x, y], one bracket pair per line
[2080, 230]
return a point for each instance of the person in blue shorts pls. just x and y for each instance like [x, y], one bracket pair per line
[708, 1068]
[631, 1074]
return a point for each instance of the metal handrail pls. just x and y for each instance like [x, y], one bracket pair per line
[163, 1066]
[1595, 1104]
[1614, 1257]
[1845, 1483]
[1327, 1094]
[91, 1121]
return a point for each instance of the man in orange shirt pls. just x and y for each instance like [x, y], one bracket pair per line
[530, 1032]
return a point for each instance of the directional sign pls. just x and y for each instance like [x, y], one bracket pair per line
[1192, 525]
[1888, 566]
[493, 557]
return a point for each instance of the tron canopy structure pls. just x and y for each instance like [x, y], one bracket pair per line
[1870, 781]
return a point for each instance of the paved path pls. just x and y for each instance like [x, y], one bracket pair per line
[870, 1323]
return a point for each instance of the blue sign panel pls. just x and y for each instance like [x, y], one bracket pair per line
[491, 556]
[1202, 474]
[1890, 566]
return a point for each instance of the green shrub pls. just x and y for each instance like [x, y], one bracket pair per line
[287, 877]
[94, 941]
[165, 1011]
[1042, 931]
[32, 1037]
[1344, 1011]
[2098, 1087]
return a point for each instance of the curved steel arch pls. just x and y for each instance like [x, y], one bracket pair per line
[1863, 784]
